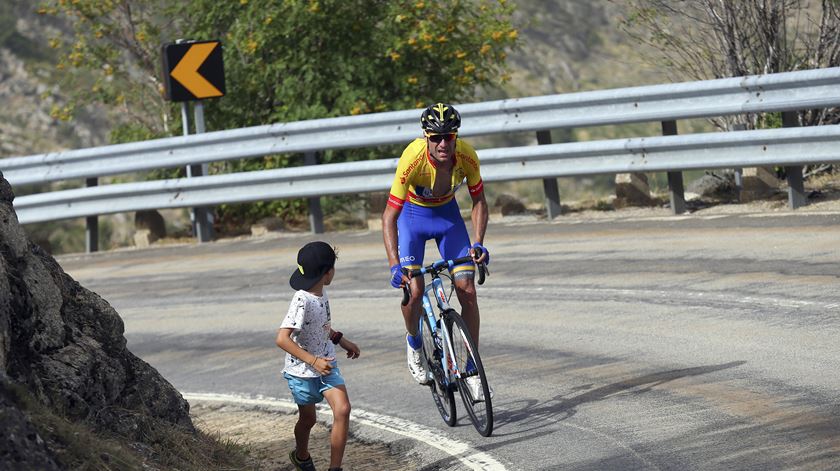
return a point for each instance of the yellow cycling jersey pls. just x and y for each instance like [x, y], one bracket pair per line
[416, 172]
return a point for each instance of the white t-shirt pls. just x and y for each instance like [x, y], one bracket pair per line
[309, 316]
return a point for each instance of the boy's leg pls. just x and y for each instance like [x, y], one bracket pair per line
[306, 420]
[340, 404]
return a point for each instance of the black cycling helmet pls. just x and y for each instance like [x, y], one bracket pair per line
[440, 118]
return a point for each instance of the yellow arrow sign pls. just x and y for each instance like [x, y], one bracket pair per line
[186, 72]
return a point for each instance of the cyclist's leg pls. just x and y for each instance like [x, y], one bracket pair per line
[454, 243]
[411, 244]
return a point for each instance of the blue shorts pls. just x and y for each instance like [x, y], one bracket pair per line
[311, 390]
[444, 224]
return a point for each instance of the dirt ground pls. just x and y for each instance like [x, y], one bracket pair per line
[269, 435]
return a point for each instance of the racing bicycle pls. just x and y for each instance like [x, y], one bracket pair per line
[450, 353]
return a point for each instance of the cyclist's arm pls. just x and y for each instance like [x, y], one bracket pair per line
[389, 234]
[480, 215]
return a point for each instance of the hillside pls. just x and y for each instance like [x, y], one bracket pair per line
[565, 47]
[28, 92]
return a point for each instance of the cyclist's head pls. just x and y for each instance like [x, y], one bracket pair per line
[440, 118]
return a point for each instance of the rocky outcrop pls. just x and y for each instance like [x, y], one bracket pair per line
[64, 344]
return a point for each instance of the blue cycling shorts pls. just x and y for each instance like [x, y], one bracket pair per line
[444, 224]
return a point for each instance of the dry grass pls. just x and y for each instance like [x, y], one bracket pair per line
[75, 445]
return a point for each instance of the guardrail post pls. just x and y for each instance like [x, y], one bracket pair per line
[316, 216]
[552, 193]
[204, 214]
[675, 179]
[796, 185]
[739, 172]
[91, 224]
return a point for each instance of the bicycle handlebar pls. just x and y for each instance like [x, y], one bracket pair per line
[441, 265]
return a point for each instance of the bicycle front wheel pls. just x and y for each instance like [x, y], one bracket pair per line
[441, 389]
[472, 382]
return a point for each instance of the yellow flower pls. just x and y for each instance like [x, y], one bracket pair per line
[420, 5]
[426, 37]
[252, 46]
[268, 20]
[108, 70]
[399, 18]
[412, 80]
[460, 54]
[412, 41]
[395, 56]
[513, 34]
[469, 68]
[42, 11]
[442, 39]
[497, 35]
[140, 36]
[243, 2]
[315, 7]
[485, 49]
[356, 110]
[54, 43]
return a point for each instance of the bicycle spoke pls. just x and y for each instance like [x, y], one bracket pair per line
[441, 392]
[468, 361]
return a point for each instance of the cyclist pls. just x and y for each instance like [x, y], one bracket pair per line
[422, 206]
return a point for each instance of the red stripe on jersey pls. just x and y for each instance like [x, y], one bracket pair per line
[395, 202]
[478, 188]
[434, 199]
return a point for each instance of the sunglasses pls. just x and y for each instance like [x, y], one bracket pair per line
[437, 138]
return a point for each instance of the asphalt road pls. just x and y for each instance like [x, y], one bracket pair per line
[695, 342]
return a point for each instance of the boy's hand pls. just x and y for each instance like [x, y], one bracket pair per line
[323, 365]
[353, 351]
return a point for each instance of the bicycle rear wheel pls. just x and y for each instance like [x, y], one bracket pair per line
[441, 391]
[469, 364]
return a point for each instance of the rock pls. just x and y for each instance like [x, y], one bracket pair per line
[65, 346]
[266, 225]
[20, 445]
[152, 221]
[143, 238]
[717, 186]
[631, 189]
[757, 183]
[509, 205]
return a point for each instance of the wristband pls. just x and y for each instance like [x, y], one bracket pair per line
[336, 337]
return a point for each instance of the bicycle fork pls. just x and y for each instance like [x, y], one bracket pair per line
[440, 332]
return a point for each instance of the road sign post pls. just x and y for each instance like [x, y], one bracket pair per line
[194, 71]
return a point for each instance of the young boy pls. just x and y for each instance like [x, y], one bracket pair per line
[309, 341]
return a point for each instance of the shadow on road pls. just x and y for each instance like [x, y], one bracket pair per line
[542, 414]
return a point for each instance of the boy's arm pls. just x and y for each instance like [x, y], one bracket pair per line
[284, 341]
[353, 351]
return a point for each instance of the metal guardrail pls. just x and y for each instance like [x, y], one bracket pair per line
[762, 93]
[791, 146]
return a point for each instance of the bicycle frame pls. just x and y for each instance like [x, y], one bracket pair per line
[440, 331]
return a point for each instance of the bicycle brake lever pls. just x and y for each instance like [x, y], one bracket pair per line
[406, 290]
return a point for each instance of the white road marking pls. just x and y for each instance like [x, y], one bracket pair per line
[469, 457]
